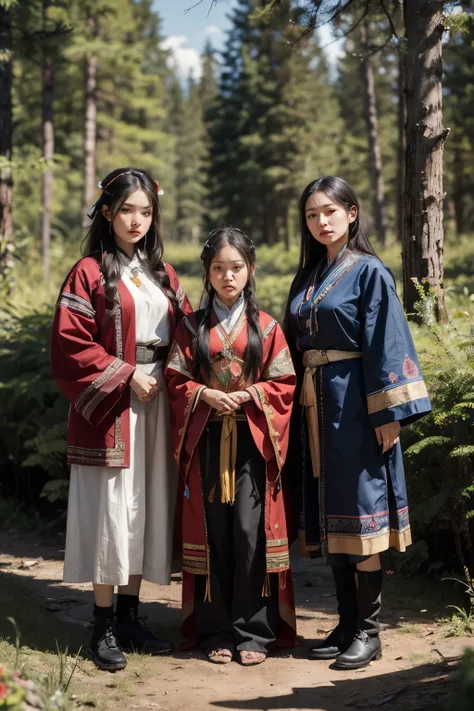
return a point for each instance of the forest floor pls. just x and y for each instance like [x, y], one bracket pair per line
[417, 671]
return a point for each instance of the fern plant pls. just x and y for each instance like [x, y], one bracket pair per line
[439, 449]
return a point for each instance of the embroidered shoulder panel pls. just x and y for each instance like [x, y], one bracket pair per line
[280, 366]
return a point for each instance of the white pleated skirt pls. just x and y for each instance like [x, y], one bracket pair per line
[120, 521]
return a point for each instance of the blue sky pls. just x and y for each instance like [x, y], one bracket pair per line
[186, 32]
[186, 29]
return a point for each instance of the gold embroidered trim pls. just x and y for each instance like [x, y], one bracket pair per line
[194, 547]
[187, 414]
[277, 562]
[279, 542]
[197, 566]
[269, 328]
[194, 571]
[89, 399]
[396, 396]
[181, 296]
[100, 457]
[118, 328]
[274, 436]
[356, 546]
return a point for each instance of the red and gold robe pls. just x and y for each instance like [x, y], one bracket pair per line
[93, 359]
[268, 415]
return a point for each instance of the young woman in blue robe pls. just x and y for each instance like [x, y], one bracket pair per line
[359, 383]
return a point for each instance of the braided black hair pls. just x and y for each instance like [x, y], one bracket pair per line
[218, 239]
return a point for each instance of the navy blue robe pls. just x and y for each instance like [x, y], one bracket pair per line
[358, 505]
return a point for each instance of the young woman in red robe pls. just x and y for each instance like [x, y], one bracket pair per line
[115, 318]
[231, 384]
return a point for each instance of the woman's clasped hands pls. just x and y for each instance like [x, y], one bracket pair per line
[144, 386]
[225, 403]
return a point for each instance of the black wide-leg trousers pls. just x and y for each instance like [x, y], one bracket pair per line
[238, 616]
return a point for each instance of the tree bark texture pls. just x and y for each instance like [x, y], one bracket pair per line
[90, 136]
[48, 149]
[371, 120]
[423, 233]
[6, 139]
[401, 121]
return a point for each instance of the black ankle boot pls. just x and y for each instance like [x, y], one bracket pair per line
[132, 632]
[341, 637]
[104, 647]
[366, 646]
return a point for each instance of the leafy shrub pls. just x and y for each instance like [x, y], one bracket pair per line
[461, 621]
[33, 414]
[465, 684]
[439, 449]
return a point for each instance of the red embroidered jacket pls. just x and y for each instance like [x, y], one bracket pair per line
[268, 415]
[92, 361]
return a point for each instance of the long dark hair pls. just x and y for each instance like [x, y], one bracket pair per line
[312, 251]
[218, 239]
[100, 242]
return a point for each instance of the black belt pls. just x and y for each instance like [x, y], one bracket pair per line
[237, 415]
[150, 354]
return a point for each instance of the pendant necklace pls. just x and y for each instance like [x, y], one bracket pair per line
[135, 272]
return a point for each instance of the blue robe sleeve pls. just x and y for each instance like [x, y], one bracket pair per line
[393, 382]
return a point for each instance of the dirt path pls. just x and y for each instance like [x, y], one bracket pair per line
[411, 676]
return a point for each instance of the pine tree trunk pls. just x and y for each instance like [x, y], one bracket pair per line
[402, 117]
[48, 150]
[6, 140]
[371, 120]
[90, 136]
[270, 227]
[423, 230]
[288, 228]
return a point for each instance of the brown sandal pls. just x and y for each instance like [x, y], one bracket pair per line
[248, 658]
[220, 656]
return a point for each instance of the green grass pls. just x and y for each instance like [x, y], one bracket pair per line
[457, 625]
[407, 628]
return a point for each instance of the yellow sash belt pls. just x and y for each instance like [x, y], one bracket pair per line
[228, 454]
[311, 361]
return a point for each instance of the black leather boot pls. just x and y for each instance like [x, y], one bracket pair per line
[366, 646]
[132, 632]
[341, 637]
[104, 647]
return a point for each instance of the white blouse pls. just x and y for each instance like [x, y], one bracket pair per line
[151, 304]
